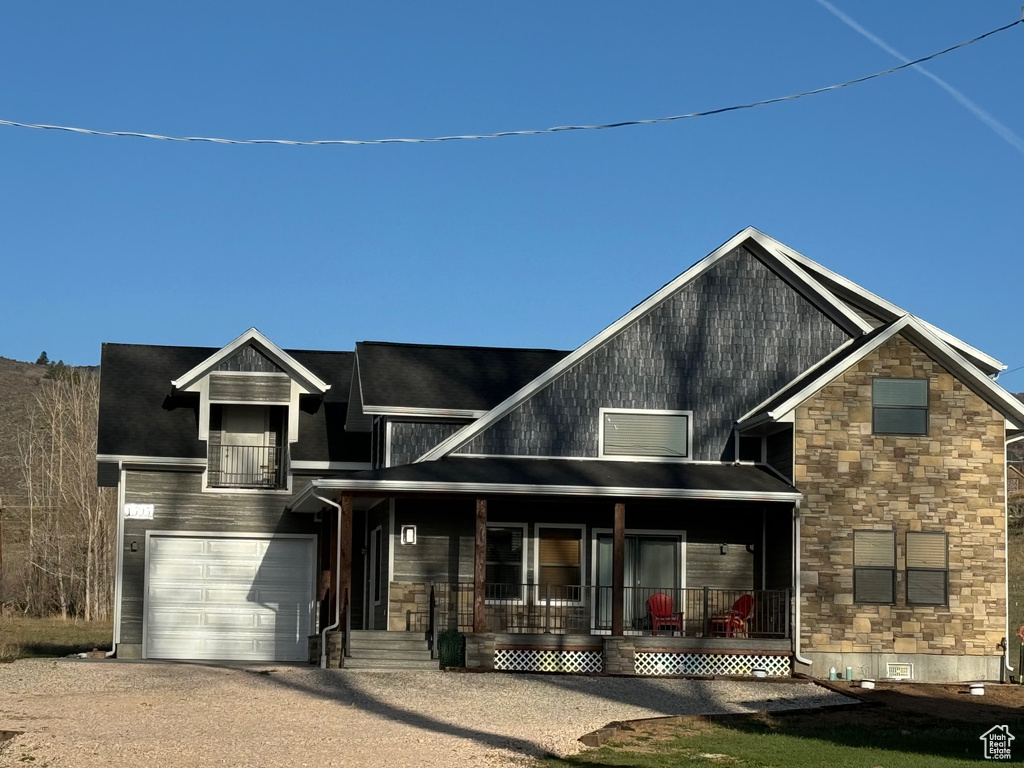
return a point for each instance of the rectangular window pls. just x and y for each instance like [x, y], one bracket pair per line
[505, 556]
[927, 568]
[559, 562]
[874, 567]
[899, 406]
[641, 434]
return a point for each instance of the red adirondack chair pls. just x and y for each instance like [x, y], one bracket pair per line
[733, 623]
[659, 606]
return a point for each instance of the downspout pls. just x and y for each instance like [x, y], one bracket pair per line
[337, 587]
[118, 554]
[796, 587]
[1006, 558]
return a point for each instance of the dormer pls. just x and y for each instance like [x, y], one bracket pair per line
[249, 394]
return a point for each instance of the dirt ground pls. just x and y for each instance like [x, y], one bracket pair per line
[947, 702]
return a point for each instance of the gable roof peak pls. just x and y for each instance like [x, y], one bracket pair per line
[253, 337]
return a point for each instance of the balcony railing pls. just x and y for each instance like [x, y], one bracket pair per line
[694, 612]
[246, 466]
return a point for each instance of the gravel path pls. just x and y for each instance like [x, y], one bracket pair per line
[82, 714]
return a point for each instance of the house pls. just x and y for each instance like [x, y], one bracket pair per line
[762, 465]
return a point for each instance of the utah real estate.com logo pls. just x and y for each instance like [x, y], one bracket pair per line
[997, 742]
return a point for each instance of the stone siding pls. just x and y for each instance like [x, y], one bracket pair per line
[950, 480]
[408, 606]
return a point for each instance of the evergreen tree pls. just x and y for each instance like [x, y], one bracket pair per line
[43, 359]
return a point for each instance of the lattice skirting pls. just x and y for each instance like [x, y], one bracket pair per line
[574, 662]
[708, 664]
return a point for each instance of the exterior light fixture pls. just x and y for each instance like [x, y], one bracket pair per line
[408, 534]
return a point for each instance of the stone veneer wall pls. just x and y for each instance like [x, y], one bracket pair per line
[408, 606]
[950, 480]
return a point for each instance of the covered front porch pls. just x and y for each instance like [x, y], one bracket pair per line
[680, 580]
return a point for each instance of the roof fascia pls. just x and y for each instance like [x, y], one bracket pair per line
[826, 375]
[886, 309]
[409, 486]
[920, 334]
[467, 433]
[750, 418]
[772, 251]
[403, 410]
[252, 336]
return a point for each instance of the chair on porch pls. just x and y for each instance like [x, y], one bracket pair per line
[733, 623]
[659, 606]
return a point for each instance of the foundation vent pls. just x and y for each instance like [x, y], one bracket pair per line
[899, 671]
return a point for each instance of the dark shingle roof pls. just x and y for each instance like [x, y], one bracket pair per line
[445, 377]
[583, 473]
[140, 417]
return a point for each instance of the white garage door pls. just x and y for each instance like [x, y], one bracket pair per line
[244, 599]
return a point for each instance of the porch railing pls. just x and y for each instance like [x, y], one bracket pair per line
[246, 466]
[548, 608]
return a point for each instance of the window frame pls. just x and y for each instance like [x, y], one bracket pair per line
[525, 529]
[913, 569]
[642, 457]
[538, 597]
[926, 407]
[892, 569]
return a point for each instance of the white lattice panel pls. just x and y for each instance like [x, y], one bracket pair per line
[574, 662]
[708, 664]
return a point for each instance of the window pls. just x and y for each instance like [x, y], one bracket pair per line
[641, 434]
[899, 406]
[874, 567]
[559, 562]
[505, 556]
[927, 568]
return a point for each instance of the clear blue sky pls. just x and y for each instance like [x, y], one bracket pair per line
[536, 241]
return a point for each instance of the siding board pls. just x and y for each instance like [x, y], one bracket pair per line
[254, 387]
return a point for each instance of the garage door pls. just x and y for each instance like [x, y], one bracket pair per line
[244, 599]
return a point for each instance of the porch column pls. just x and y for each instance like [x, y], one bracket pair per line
[618, 569]
[480, 567]
[345, 566]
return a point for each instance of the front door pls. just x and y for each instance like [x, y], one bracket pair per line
[653, 563]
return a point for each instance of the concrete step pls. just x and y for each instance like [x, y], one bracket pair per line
[386, 634]
[392, 664]
[387, 653]
[391, 640]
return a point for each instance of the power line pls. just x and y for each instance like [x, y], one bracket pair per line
[503, 134]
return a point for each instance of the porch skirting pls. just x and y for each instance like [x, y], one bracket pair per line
[629, 655]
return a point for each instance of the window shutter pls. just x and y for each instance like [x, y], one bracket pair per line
[646, 434]
[874, 549]
[926, 550]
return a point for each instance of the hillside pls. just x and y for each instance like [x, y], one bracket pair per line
[18, 383]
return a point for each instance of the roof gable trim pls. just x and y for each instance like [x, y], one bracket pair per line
[310, 381]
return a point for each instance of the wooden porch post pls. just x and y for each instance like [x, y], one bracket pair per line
[618, 569]
[345, 566]
[480, 567]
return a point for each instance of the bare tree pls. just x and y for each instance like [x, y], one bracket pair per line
[67, 522]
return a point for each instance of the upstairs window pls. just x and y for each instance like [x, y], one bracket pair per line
[927, 568]
[874, 567]
[246, 447]
[899, 406]
[636, 434]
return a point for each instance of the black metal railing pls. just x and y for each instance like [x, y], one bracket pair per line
[548, 608]
[246, 466]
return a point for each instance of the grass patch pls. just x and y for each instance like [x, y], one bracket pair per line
[868, 737]
[23, 636]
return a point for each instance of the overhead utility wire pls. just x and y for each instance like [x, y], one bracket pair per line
[502, 134]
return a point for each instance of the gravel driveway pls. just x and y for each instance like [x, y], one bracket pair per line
[81, 714]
